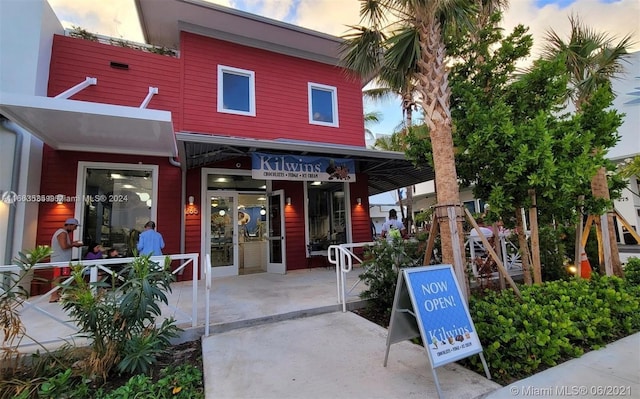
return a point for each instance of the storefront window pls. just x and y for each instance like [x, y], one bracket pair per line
[327, 214]
[117, 203]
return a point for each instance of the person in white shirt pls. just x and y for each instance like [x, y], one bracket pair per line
[393, 224]
[486, 231]
[62, 245]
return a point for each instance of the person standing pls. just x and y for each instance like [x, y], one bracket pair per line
[393, 224]
[62, 246]
[150, 241]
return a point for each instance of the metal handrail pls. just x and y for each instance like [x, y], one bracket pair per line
[342, 257]
[207, 298]
[101, 264]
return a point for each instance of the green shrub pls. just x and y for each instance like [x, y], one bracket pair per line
[555, 321]
[13, 294]
[553, 245]
[632, 271]
[183, 382]
[381, 265]
[121, 322]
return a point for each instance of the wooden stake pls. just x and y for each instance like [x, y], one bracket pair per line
[535, 242]
[489, 248]
[433, 232]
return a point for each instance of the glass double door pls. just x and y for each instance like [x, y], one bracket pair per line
[244, 233]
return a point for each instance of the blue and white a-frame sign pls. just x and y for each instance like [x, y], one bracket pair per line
[428, 304]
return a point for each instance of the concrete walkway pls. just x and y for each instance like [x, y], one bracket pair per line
[613, 371]
[307, 348]
[284, 336]
[334, 355]
[340, 355]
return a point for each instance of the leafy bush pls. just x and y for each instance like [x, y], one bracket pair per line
[12, 296]
[381, 265]
[121, 323]
[553, 246]
[554, 322]
[183, 382]
[632, 271]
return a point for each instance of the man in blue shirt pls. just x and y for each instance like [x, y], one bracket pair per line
[150, 241]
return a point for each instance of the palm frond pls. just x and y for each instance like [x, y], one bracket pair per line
[362, 50]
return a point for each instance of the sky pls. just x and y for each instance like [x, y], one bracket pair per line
[118, 18]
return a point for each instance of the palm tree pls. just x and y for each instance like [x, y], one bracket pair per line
[407, 95]
[369, 118]
[408, 36]
[592, 60]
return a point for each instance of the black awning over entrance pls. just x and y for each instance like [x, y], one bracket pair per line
[387, 170]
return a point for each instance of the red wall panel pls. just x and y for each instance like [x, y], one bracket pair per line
[188, 88]
[281, 94]
[73, 60]
[59, 174]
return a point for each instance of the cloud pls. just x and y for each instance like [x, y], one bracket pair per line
[615, 18]
[118, 18]
[115, 18]
[328, 16]
[275, 9]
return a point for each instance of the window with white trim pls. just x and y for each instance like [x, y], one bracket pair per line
[236, 91]
[118, 199]
[323, 105]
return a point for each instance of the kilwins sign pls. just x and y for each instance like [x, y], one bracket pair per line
[303, 168]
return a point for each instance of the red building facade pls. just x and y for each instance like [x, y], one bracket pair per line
[181, 195]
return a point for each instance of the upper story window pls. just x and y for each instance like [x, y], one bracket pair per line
[236, 91]
[323, 105]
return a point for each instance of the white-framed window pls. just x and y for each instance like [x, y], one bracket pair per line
[323, 105]
[115, 201]
[236, 91]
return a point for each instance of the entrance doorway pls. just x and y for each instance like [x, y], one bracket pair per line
[276, 237]
[222, 235]
[243, 227]
[252, 234]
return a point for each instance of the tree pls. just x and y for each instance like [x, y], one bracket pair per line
[511, 133]
[398, 35]
[369, 118]
[592, 59]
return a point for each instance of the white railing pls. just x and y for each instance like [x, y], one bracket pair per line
[207, 298]
[343, 258]
[510, 254]
[93, 267]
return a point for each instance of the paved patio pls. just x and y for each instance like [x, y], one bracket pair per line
[235, 302]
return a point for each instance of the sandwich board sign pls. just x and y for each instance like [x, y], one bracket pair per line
[428, 304]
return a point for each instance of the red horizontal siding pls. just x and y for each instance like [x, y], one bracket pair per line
[59, 174]
[75, 59]
[281, 94]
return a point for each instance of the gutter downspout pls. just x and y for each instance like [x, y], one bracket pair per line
[15, 175]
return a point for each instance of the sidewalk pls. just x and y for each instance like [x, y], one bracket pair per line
[340, 355]
[333, 355]
[613, 371]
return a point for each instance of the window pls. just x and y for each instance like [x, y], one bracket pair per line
[118, 201]
[236, 91]
[327, 215]
[323, 105]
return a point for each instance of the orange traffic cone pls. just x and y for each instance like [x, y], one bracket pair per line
[585, 266]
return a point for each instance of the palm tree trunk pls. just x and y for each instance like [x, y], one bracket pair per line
[434, 96]
[600, 189]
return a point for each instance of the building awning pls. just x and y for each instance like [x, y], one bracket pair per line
[387, 170]
[71, 125]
